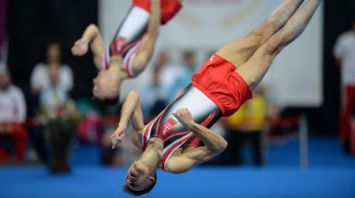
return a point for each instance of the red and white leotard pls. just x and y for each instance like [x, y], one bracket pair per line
[128, 37]
[174, 135]
[128, 58]
[216, 90]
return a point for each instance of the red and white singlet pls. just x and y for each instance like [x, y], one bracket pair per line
[174, 135]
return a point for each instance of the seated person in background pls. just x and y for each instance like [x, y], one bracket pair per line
[246, 125]
[183, 77]
[54, 94]
[59, 119]
[39, 76]
[39, 81]
[155, 95]
[133, 45]
[12, 114]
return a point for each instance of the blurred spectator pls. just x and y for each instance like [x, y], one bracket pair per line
[154, 95]
[168, 71]
[59, 118]
[270, 93]
[247, 126]
[166, 81]
[12, 115]
[183, 77]
[157, 83]
[344, 52]
[39, 76]
[53, 94]
[42, 85]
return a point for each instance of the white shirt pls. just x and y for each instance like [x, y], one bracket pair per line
[39, 77]
[345, 51]
[169, 73]
[52, 97]
[12, 105]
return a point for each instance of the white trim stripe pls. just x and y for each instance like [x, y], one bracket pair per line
[128, 59]
[143, 135]
[149, 130]
[176, 147]
[105, 61]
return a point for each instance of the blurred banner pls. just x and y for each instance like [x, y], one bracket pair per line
[206, 25]
[209, 24]
[3, 50]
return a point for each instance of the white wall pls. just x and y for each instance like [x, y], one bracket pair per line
[205, 25]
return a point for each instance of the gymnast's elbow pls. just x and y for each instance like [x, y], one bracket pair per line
[220, 147]
[224, 145]
[93, 26]
[133, 94]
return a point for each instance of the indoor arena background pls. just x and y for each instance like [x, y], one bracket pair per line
[297, 152]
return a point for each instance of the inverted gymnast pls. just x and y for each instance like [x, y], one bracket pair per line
[179, 137]
[130, 50]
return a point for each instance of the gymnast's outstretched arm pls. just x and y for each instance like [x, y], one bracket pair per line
[146, 49]
[131, 111]
[214, 145]
[154, 21]
[93, 37]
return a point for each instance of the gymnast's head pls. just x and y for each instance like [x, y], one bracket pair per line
[107, 83]
[105, 89]
[140, 179]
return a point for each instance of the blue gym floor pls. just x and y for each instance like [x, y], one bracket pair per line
[330, 174]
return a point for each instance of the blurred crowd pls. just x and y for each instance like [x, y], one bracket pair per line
[26, 118]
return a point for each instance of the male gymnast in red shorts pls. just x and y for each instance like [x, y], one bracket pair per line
[133, 45]
[179, 137]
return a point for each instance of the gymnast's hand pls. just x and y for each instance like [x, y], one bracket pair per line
[117, 136]
[80, 48]
[185, 118]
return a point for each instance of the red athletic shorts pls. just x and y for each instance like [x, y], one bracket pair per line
[220, 82]
[169, 8]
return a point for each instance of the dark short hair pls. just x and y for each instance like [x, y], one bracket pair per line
[108, 101]
[126, 188]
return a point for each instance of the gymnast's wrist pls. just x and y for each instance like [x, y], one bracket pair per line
[192, 125]
[123, 124]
